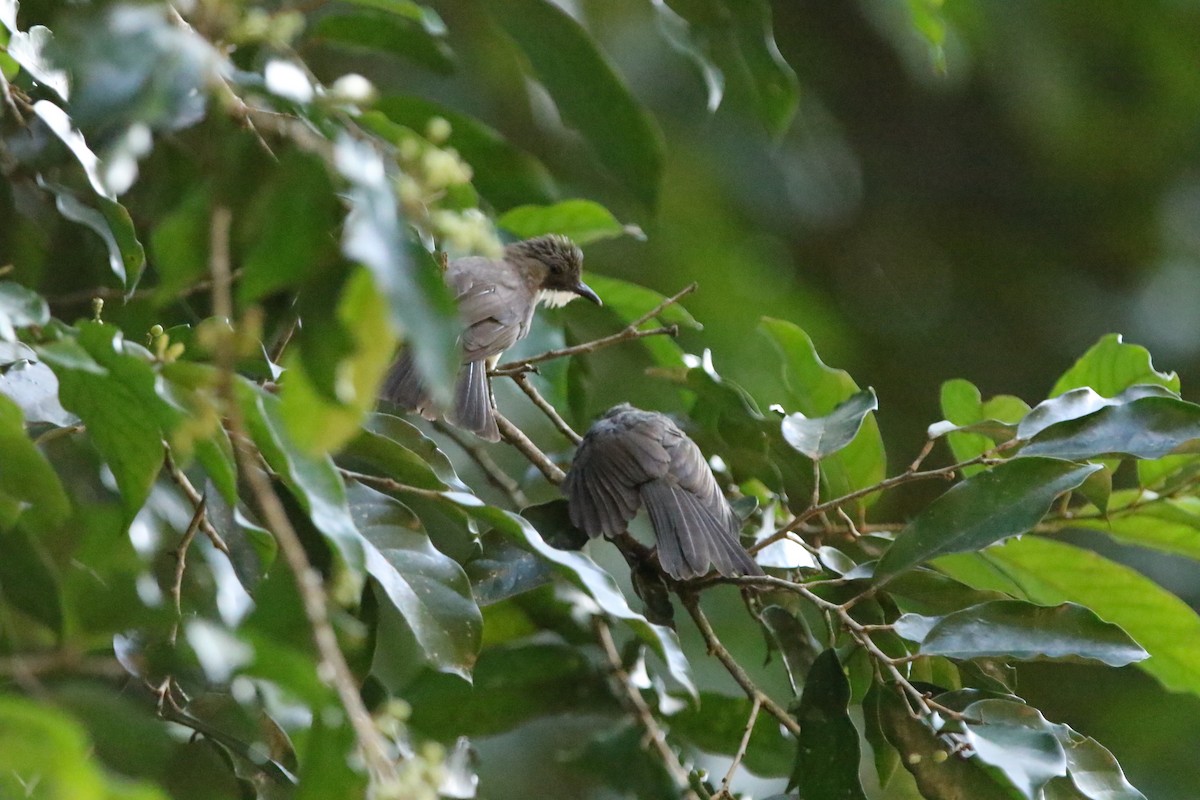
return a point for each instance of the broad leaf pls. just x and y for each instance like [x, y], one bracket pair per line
[820, 437]
[1111, 366]
[1149, 427]
[717, 723]
[1004, 501]
[25, 474]
[1049, 572]
[1023, 631]
[827, 753]
[582, 221]
[19, 308]
[1017, 741]
[1092, 770]
[1079, 403]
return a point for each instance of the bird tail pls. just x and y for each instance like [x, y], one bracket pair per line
[472, 409]
[405, 387]
[690, 536]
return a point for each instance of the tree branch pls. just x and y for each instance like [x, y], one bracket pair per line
[521, 379]
[491, 470]
[740, 754]
[517, 438]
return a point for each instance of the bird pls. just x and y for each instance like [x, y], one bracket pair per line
[496, 300]
[630, 458]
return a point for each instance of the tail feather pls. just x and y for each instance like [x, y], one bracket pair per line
[472, 409]
[690, 537]
[405, 387]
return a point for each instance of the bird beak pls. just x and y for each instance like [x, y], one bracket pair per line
[583, 290]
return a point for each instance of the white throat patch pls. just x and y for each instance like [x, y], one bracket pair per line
[553, 298]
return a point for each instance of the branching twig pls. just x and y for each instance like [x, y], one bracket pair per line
[197, 500]
[740, 754]
[491, 470]
[692, 603]
[181, 565]
[517, 438]
[389, 484]
[522, 380]
[333, 666]
[654, 732]
[628, 333]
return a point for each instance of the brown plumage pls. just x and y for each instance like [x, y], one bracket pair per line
[496, 300]
[631, 458]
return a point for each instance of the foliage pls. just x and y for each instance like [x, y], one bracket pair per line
[210, 251]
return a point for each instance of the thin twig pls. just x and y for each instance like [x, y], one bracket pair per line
[197, 500]
[691, 602]
[633, 697]
[522, 380]
[181, 565]
[628, 333]
[58, 433]
[390, 484]
[517, 438]
[333, 666]
[491, 470]
[723, 792]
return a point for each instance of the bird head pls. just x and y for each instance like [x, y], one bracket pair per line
[555, 265]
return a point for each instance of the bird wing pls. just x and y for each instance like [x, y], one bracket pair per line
[494, 304]
[612, 463]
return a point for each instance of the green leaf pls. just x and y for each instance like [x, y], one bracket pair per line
[27, 580]
[982, 424]
[1171, 525]
[25, 474]
[827, 753]
[179, 244]
[582, 221]
[313, 480]
[588, 92]
[737, 35]
[1078, 403]
[1024, 631]
[796, 643]
[430, 590]
[20, 308]
[31, 385]
[717, 723]
[379, 32]
[929, 21]
[887, 760]
[421, 305]
[1017, 741]
[1049, 572]
[1149, 427]
[43, 747]
[505, 175]
[940, 775]
[1111, 366]
[356, 377]
[1004, 501]
[680, 35]
[820, 437]
[815, 389]
[292, 220]
[112, 223]
[1091, 769]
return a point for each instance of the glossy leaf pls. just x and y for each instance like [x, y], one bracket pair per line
[1049, 572]
[815, 389]
[717, 723]
[791, 635]
[1092, 770]
[31, 385]
[1017, 741]
[1149, 427]
[819, 437]
[827, 753]
[25, 474]
[1023, 631]
[1111, 366]
[19, 308]
[111, 222]
[1081, 402]
[430, 590]
[1004, 501]
[588, 92]
[582, 221]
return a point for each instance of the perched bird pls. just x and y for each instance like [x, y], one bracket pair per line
[631, 458]
[496, 299]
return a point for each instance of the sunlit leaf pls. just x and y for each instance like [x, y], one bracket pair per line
[1111, 366]
[582, 221]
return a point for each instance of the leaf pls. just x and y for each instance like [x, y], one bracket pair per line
[394, 34]
[1149, 427]
[815, 389]
[819, 437]
[827, 753]
[1049, 572]
[1078, 403]
[25, 474]
[362, 313]
[1111, 366]
[1016, 740]
[1004, 501]
[678, 33]
[179, 243]
[979, 425]
[111, 222]
[929, 22]
[28, 582]
[791, 635]
[1023, 631]
[588, 92]
[582, 221]
[20, 308]
[717, 723]
[31, 385]
[1092, 769]
[313, 480]
[940, 775]
[887, 760]
[430, 590]
[420, 304]
[737, 34]
[1171, 525]
[28, 48]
